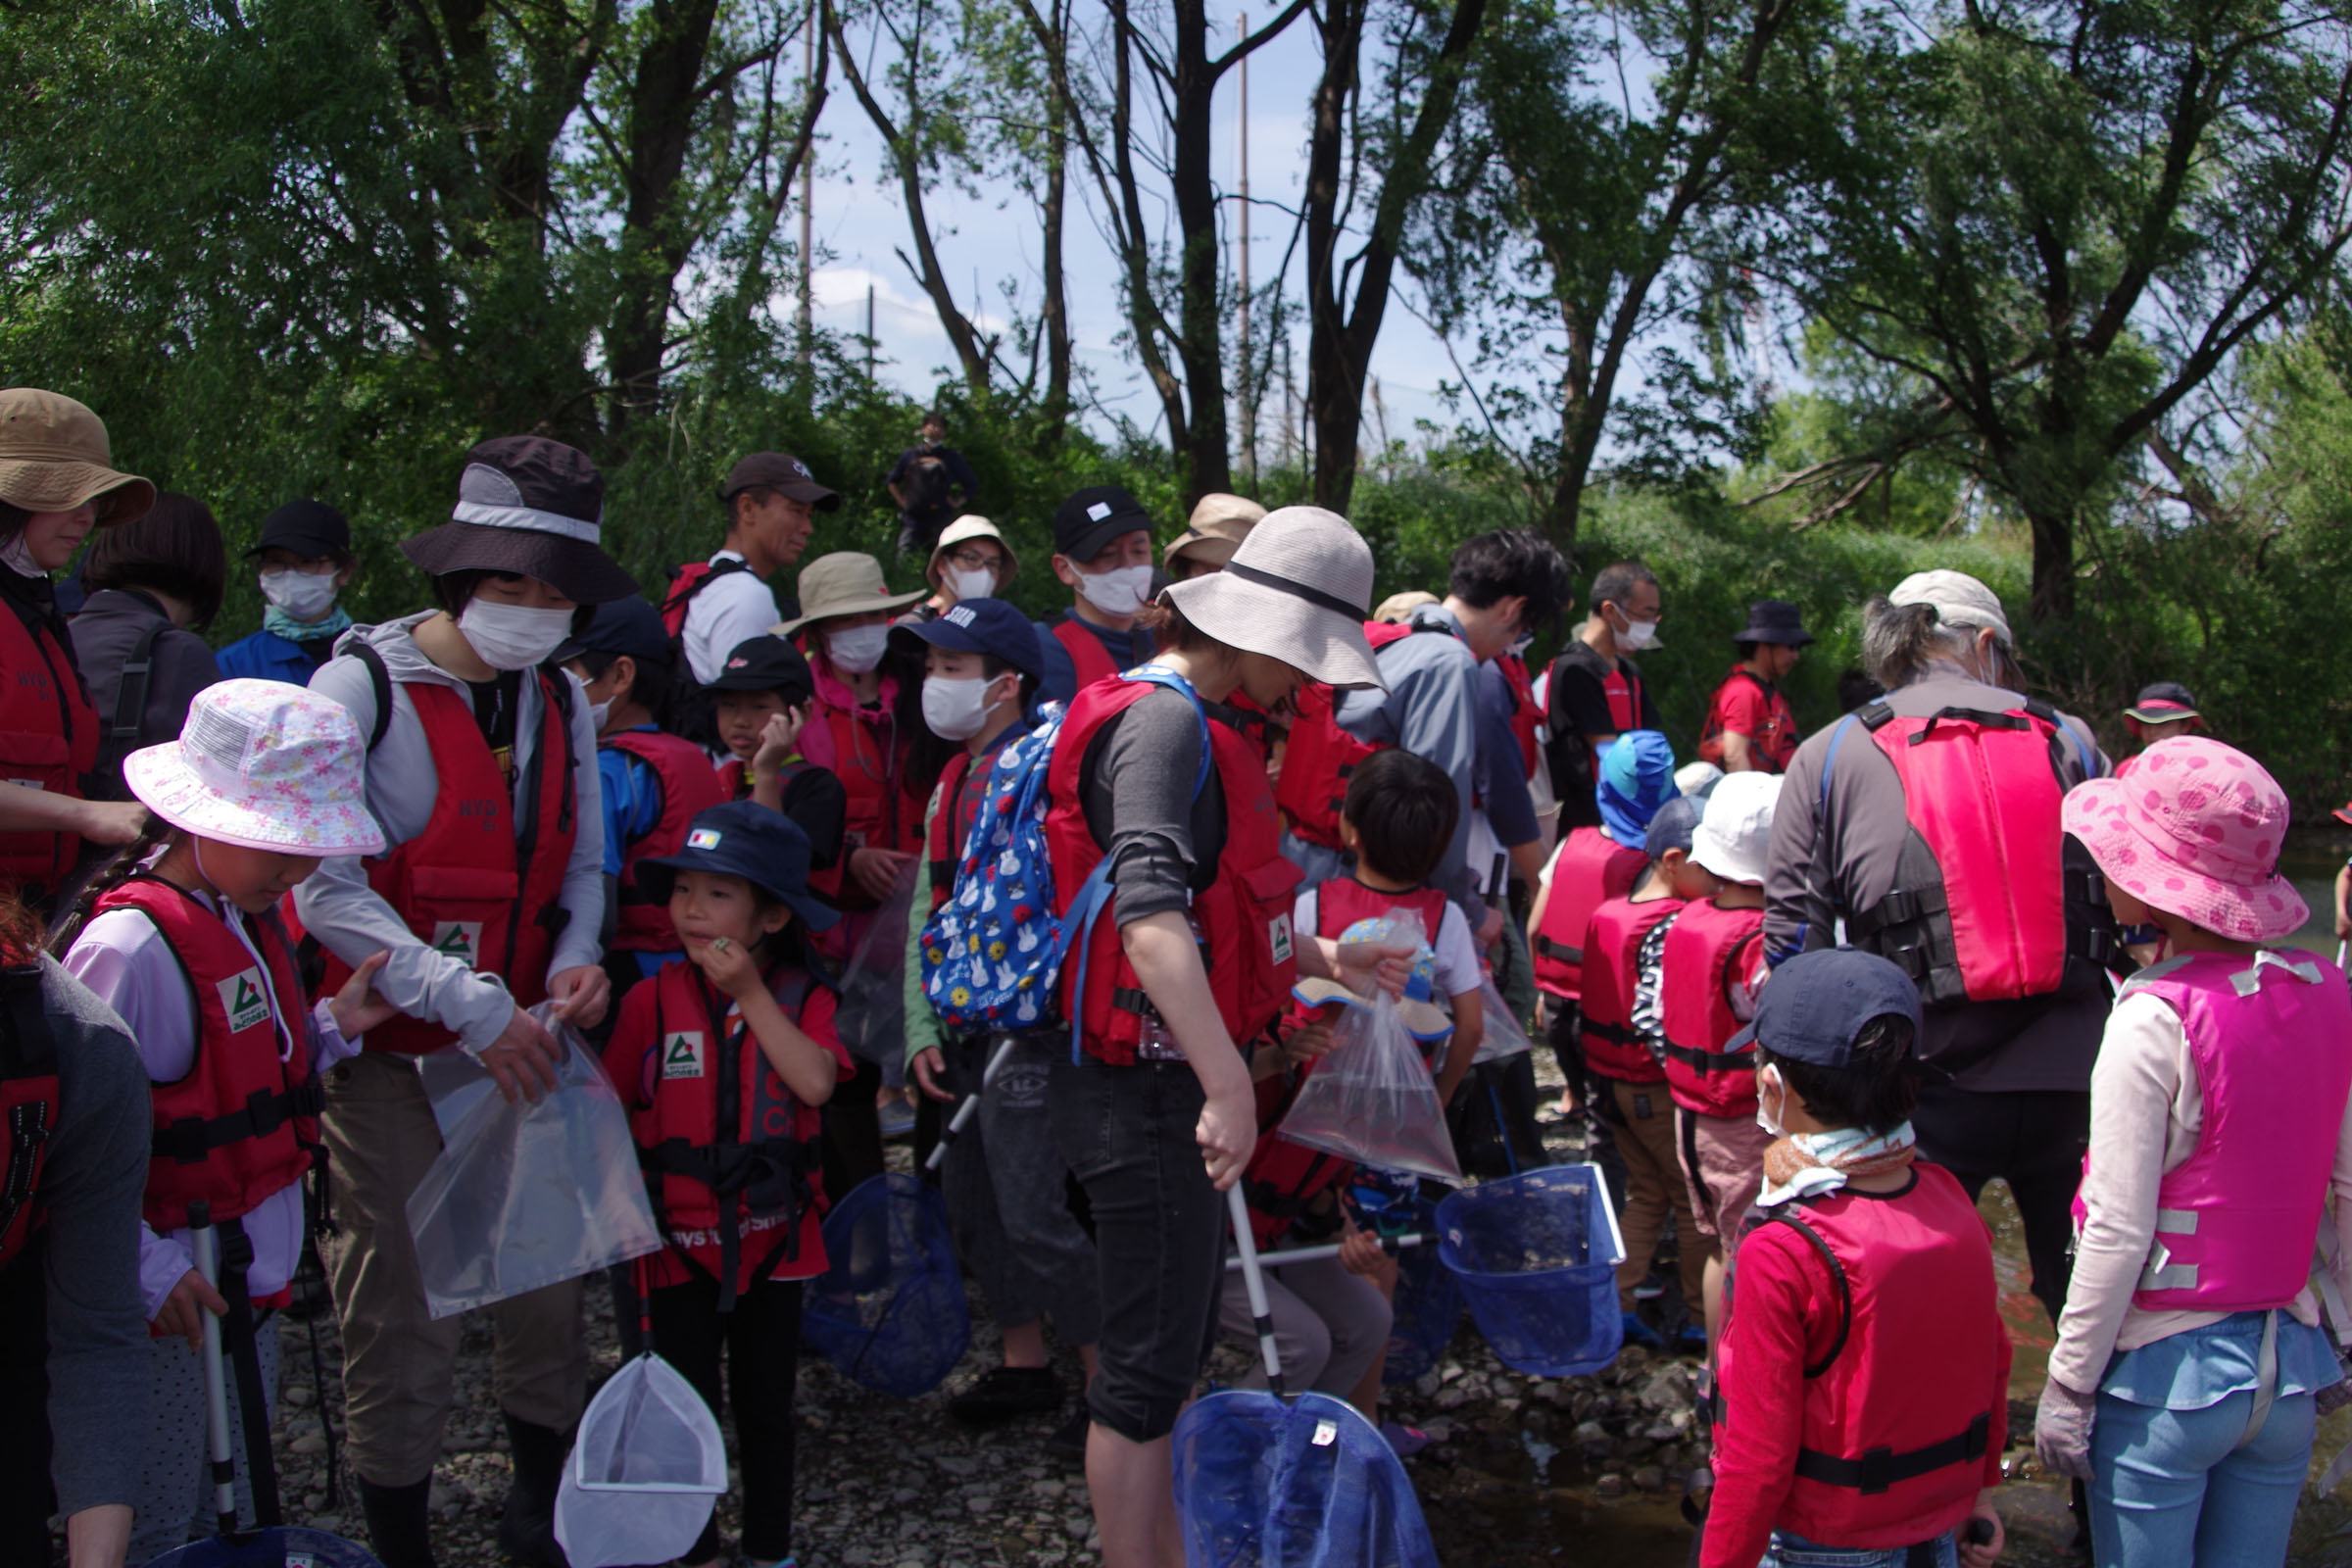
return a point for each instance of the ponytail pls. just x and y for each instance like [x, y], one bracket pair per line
[155, 834]
[20, 933]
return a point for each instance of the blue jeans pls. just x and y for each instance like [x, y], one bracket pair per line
[1795, 1552]
[2172, 1487]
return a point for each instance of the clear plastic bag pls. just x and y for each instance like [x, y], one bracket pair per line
[1503, 1036]
[1371, 1099]
[528, 1195]
[646, 1469]
[872, 1017]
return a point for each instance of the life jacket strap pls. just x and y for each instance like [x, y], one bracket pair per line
[1879, 1470]
[1616, 1033]
[1559, 949]
[1710, 1061]
[191, 1138]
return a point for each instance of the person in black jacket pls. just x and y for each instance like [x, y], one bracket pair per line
[931, 482]
[151, 583]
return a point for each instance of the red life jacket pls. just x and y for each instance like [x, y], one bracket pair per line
[1245, 914]
[461, 885]
[1613, 1048]
[1590, 869]
[1261, 729]
[952, 823]
[728, 1150]
[29, 1104]
[1343, 901]
[688, 785]
[242, 1123]
[1898, 1412]
[1320, 755]
[734, 777]
[1981, 790]
[1701, 951]
[48, 738]
[1772, 746]
[1088, 657]
[1526, 717]
[869, 758]
[1621, 691]
[685, 582]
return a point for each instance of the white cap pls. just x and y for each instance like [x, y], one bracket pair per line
[1695, 779]
[1733, 839]
[1959, 600]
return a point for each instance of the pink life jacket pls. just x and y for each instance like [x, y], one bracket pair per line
[2271, 1042]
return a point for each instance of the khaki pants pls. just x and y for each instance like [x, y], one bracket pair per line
[1653, 1180]
[398, 1361]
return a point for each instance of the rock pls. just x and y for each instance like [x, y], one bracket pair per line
[1609, 1486]
[1650, 1478]
[310, 1443]
[1592, 1435]
[447, 1496]
[1582, 1402]
[960, 1468]
[313, 1504]
[1660, 1431]
[1438, 1431]
[1077, 1527]
[298, 1396]
[1452, 1399]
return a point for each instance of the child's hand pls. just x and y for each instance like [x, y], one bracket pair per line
[779, 740]
[358, 1007]
[929, 1066]
[728, 965]
[1311, 1040]
[1986, 1553]
[182, 1314]
[1360, 1252]
[876, 871]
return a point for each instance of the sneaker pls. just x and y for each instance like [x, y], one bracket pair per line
[1069, 1440]
[1003, 1393]
[1639, 1333]
[896, 1118]
[1406, 1440]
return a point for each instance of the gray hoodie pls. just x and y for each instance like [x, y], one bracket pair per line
[351, 921]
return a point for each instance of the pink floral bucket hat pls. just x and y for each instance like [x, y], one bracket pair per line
[2195, 831]
[266, 766]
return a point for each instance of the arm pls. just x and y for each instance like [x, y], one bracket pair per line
[583, 895]
[1739, 753]
[2343, 893]
[1469, 1033]
[1762, 1378]
[1167, 961]
[24, 810]
[923, 1058]
[1797, 913]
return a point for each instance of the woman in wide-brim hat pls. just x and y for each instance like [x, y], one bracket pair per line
[481, 769]
[1160, 1117]
[57, 482]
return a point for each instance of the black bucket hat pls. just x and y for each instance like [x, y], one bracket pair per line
[744, 839]
[531, 507]
[1776, 621]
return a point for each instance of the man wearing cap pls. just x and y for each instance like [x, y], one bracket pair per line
[930, 482]
[1750, 726]
[302, 561]
[1594, 692]
[772, 501]
[1101, 553]
[2162, 709]
[1998, 916]
[491, 897]
[1218, 524]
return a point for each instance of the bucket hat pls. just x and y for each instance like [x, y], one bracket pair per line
[744, 839]
[1733, 838]
[1776, 621]
[1297, 589]
[54, 457]
[964, 528]
[1698, 779]
[782, 473]
[1216, 528]
[1399, 607]
[1819, 1003]
[2162, 702]
[847, 583]
[2195, 831]
[1636, 777]
[266, 766]
[532, 508]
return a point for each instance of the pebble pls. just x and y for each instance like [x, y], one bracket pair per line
[298, 1394]
[1650, 1478]
[310, 1443]
[1609, 1486]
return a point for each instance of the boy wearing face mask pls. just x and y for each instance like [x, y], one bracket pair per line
[303, 561]
[479, 769]
[1103, 552]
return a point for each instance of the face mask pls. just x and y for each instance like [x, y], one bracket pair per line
[598, 712]
[513, 636]
[1770, 1121]
[956, 709]
[1119, 591]
[858, 649]
[1638, 634]
[304, 595]
[979, 583]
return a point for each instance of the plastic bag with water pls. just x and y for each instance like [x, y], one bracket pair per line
[648, 1467]
[528, 1195]
[871, 1021]
[1503, 1036]
[1370, 1097]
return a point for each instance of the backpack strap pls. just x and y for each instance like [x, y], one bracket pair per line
[130, 697]
[379, 680]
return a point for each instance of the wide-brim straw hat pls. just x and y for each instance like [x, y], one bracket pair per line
[965, 528]
[847, 583]
[54, 457]
[531, 507]
[2195, 831]
[1296, 590]
[266, 766]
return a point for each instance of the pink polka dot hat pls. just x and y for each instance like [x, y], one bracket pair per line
[2195, 831]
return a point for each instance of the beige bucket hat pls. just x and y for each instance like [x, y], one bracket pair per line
[847, 583]
[1296, 590]
[1215, 530]
[54, 457]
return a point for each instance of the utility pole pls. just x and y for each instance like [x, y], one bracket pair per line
[1240, 29]
[807, 198]
[869, 333]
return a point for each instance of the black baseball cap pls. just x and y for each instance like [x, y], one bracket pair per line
[766, 664]
[781, 472]
[311, 529]
[628, 627]
[1094, 517]
[2161, 702]
[744, 839]
[988, 627]
[1818, 1003]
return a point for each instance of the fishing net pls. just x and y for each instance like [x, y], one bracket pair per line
[1537, 1257]
[271, 1548]
[646, 1470]
[890, 1309]
[1265, 1484]
[1428, 1308]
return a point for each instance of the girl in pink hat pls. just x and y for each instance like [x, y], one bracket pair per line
[180, 936]
[2192, 1357]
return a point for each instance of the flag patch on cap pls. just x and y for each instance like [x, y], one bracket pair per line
[703, 838]
[1098, 511]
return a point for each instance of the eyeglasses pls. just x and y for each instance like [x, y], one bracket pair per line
[977, 560]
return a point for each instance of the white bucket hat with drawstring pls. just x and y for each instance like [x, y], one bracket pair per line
[266, 766]
[1297, 589]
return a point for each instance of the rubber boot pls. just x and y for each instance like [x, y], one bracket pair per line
[398, 1523]
[526, 1529]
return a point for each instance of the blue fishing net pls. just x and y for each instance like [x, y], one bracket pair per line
[269, 1549]
[890, 1311]
[1429, 1306]
[1536, 1255]
[1265, 1483]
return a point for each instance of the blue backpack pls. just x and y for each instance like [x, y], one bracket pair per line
[993, 953]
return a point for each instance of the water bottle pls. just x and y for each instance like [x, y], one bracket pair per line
[1155, 1040]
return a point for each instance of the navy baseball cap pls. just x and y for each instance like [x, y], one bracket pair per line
[988, 627]
[1672, 827]
[628, 627]
[1819, 1001]
[744, 839]
[766, 664]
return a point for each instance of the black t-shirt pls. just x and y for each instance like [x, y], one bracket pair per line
[927, 492]
[1576, 706]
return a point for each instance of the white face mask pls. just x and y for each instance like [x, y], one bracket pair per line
[956, 709]
[857, 649]
[972, 582]
[598, 714]
[306, 596]
[1638, 634]
[1119, 591]
[1770, 1121]
[513, 636]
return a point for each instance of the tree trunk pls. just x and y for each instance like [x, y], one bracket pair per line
[1204, 465]
[1054, 311]
[2053, 564]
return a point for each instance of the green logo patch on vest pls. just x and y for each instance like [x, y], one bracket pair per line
[682, 1054]
[1278, 938]
[461, 940]
[245, 997]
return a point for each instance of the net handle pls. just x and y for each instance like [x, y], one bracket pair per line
[1254, 1279]
[970, 1107]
